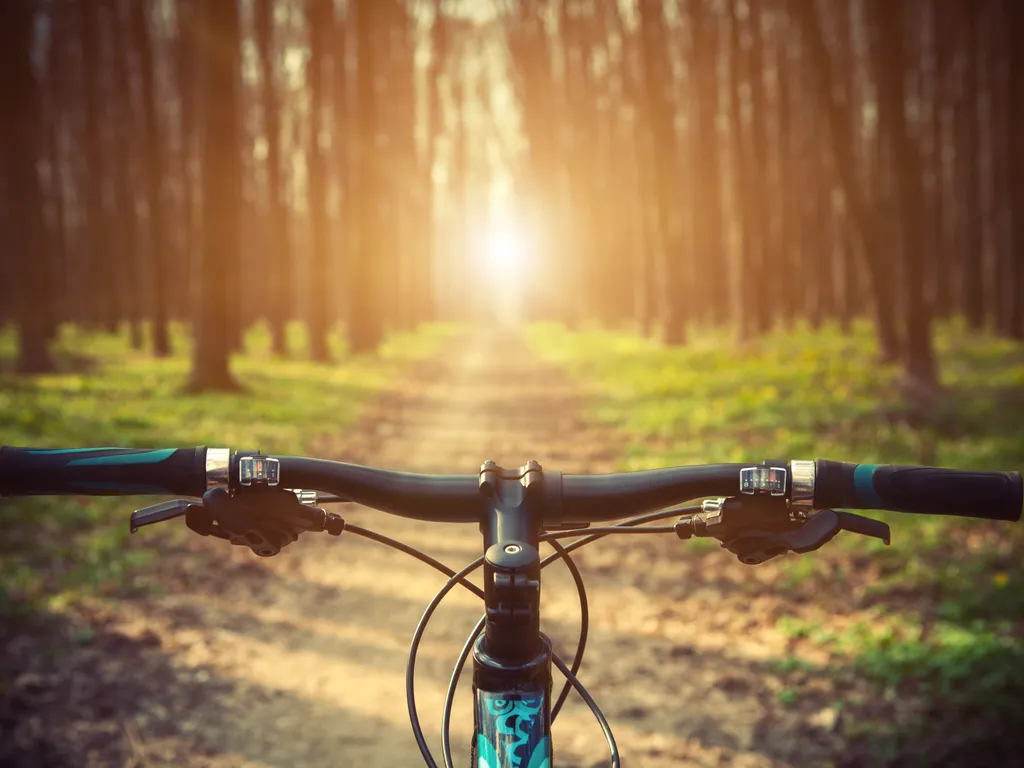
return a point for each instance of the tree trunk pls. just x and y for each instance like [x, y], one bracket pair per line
[22, 129]
[102, 281]
[278, 243]
[1015, 99]
[185, 53]
[154, 176]
[864, 219]
[918, 358]
[641, 242]
[124, 193]
[366, 327]
[321, 18]
[218, 70]
[435, 131]
[967, 137]
[660, 120]
[761, 210]
[711, 264]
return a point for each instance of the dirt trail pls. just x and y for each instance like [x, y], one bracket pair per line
[300, 660]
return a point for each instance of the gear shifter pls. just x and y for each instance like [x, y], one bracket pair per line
[753, 547]
[265, 519]
[756, 529]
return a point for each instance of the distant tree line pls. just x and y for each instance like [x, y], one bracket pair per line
[761, 161]
[681, 163]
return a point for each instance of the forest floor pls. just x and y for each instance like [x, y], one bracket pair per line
[218, 658]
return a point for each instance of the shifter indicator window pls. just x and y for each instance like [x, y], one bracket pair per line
[768, 481]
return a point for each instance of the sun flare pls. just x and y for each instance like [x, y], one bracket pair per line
[504, 248]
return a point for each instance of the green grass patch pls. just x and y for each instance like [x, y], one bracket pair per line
[56, 548]
[938, 618]
[804, 394]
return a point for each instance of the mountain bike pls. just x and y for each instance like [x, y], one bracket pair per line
[757, 512]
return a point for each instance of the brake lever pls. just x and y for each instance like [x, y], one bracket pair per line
[266, 519]
[159, 513]
[754, 546]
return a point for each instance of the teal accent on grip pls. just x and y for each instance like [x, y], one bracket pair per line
[56, 451]
[125, 489]
[117, 459]
[864, 485]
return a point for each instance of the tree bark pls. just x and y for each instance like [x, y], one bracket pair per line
[1015, 42]
[278, 243]
[154, 176]
[918, 358]
[218, 70]
[321, 19]
[102, 288]
[967, 136]
[366, 326]
[184, 59]
[660, 120]
[130, 283]
[711, 265]
[865, 220]
[21, 128]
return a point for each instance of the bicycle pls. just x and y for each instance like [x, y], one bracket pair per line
[757, 512]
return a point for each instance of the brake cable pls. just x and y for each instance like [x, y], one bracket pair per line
[423, 557]
[631, 522]
[581, 644]
[581, 641]
[428, 613]
[410, 667]
[593, 534]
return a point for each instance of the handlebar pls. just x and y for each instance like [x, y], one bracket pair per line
[103, 471]
[568, 499]
[920, 490]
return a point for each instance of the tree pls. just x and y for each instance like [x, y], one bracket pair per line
[184, 64]
[865, 220]
[366, 327]
[660, 120]
[103, 273]
[22, 130]
[129, 261]
[706, 179]
[278, 243]
[321, 19]
[218, 59]
[918, 357]
[155, 171]
[1015, 98]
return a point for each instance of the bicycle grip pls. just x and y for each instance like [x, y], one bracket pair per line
[102, 471]
[921, 490]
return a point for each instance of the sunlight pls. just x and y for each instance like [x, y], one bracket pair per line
[504, 261]
[504, 249]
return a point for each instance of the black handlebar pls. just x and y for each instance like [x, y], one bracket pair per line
[457, 498]
[102, 471]
[441, 498]
[921, 490]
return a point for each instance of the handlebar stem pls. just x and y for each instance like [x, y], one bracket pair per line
[511, 526]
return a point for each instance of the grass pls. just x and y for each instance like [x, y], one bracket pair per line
[938, 618]
[57, 549]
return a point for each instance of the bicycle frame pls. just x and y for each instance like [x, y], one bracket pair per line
[512, 729]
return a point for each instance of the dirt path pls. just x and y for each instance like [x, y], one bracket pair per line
[300, 660]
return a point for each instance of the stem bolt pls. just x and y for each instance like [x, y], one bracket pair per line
[513, 549]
